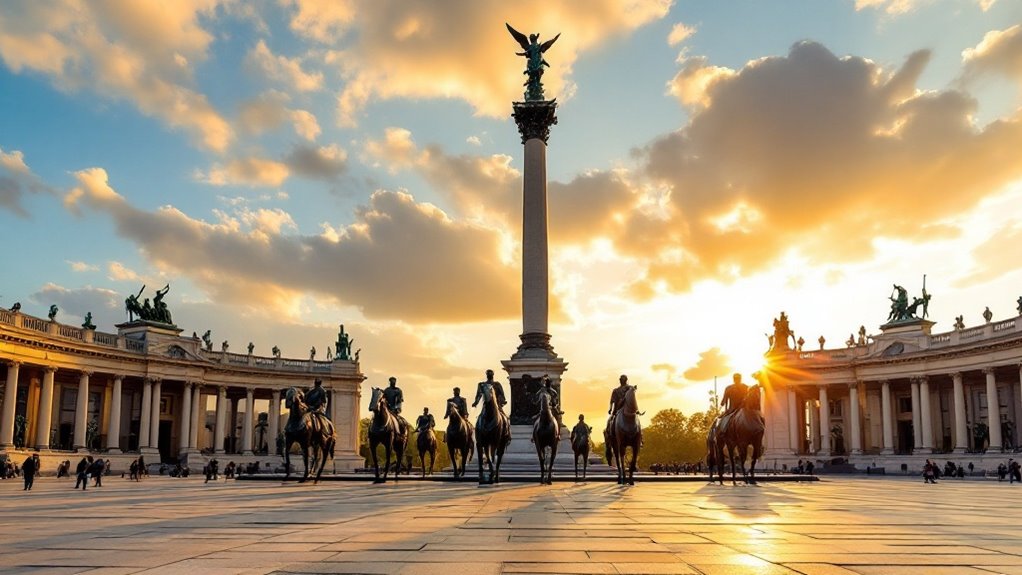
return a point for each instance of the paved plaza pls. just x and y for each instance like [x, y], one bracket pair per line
[841, 526]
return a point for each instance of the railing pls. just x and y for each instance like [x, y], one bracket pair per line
[106, 339]
[265, 361]
[1003, 325]
[237, 358]
[6, 316]
[71, 332]
[972, 333]
[294, 363]
[135, 345]
[35, 323]
[940, 339]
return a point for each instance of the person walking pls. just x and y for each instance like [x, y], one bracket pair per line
[29, 469]
[96, 470]
[81, 472]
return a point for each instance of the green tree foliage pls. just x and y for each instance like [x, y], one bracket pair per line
[443, 460]
[671, 437]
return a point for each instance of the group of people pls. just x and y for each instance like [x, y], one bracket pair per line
[1012, 470]
[94, 468]
[675, 468]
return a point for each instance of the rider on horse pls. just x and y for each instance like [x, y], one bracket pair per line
[498, 390]
[555, 400]
[580, 429]
[459, 402]
[316, 400]
[395, 398]
[734, 396]
[425, 421]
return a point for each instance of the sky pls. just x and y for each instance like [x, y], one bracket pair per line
[291, 165]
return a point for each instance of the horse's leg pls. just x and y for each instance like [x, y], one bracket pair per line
[305, 460]
[553, 457]
[635, 459]
[743, 452]
[373, 444]
[388, 449]
[479, 459]
[542, 468]
[287, 459]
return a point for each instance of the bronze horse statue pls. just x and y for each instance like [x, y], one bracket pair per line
[426, 442]
[546, 434]
[385, 428]
[320, 439]
[580, 447]
[459, 439]
[625, 431]
[745, 428]
[493, 434]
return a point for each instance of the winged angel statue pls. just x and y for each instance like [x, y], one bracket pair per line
[533, 53]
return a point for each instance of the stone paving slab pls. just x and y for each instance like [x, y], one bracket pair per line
[838, 526]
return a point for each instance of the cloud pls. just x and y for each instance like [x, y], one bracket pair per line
[16, 180]
[814, 153]
[319, 163]
[81, 266]
[399, 259]
[250, 171]
[119, 272]
[999, 53]
[283, 70]
[474, 140]
[679, 33]
[269, 111]
[899, 7]
[488, 187]
[692, 84]
[103, 303]
[450, 49]
[711, 363]
[990, 259]
[123, 49]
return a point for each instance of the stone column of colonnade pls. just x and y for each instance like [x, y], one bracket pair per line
[273, 422]
[961, 431]
[927, 417]
[145, 413]
[221, 416]
[885, 408]
[154, 420]
[10, 402]
[82, 412]
[1018, 424]
[993, 411]
[824, 422]
[246, 432]
[185, 433]
[917, 427]
[793, 435]
[113, 428]
[42, 435]
[193, 427]
[853, 415]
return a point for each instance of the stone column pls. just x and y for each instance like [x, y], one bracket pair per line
[917, 425]
[273, 422]
[993, 411]
[113, 428]
[793, 436]
[853, 415]
[10, 402]
[186, 417]
[534, 119]
[824, 422]
[193, 427]
[145, 413]
[885, 408]
[82, 412]
[961, 430]
[154, 427]
[1018, 422]
[814, 428]
[246, 432]
[221, 419]
[42, 432]
[927, 416]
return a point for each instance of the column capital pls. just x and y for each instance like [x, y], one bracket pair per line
[50, 368]
[119, 376]
[989, 370]
[249, 391]
[955, 375]
[86, 372]
[918, 379]
[154, 379]
[884, 382]
[18, 362]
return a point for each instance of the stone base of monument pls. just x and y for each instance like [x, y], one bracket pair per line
[520, 456]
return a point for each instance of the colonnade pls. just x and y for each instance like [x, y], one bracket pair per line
[189, 418]
[809, 411]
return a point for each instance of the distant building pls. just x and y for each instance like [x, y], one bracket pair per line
[903, 392]
[147, 389]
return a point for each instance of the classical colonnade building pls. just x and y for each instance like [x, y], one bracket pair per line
[905, 392]
[148, 390]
